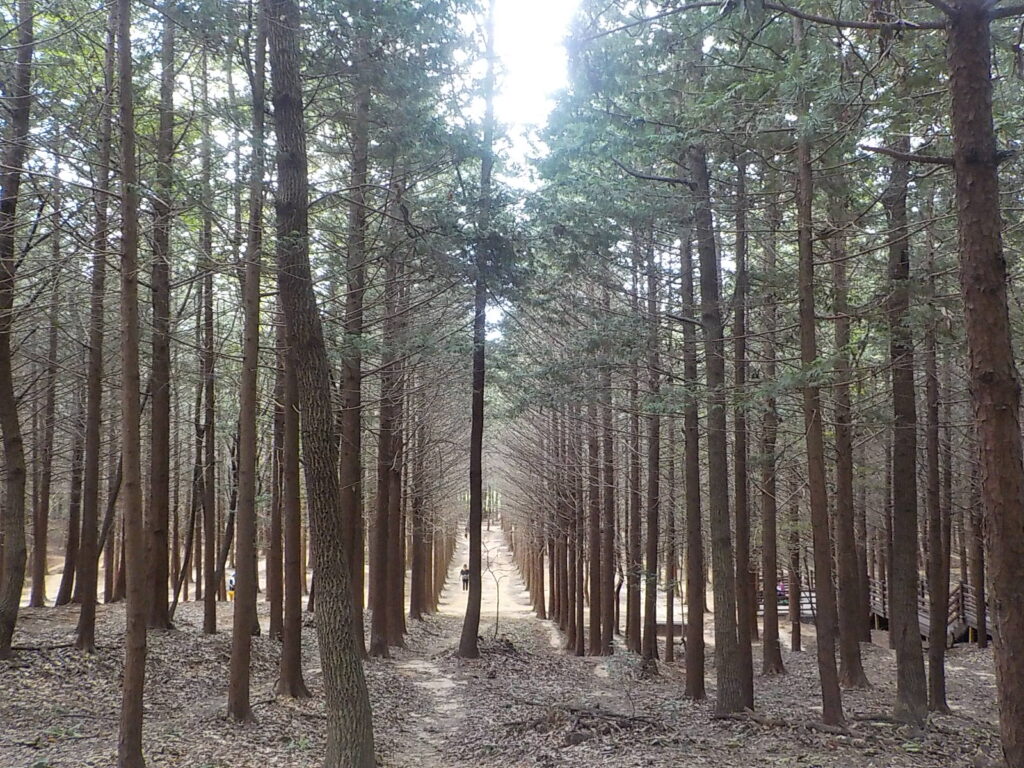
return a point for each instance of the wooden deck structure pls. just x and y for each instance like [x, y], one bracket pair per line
[961, 611]
[961, 614]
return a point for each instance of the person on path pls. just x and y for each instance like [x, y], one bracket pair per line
[464, 573]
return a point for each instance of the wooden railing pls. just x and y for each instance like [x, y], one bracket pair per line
[961, 610]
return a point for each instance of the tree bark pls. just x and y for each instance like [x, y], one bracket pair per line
[826, 620]
[471, 625]
[137, 592]
[208, 365]
[851, 668]
[349, 723]
[160, 377]
[771, 648]
[911, 692]
[649, 644]
[995, 387]
[13, 519]
[351, 469]
[246, 572]
[728, 667]
[289, 680]
[695, 593]
[746, 609]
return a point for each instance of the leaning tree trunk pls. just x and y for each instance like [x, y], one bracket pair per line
[349, 724]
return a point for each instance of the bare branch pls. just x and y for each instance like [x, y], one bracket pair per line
[650, 177]
[899, 24]
[1007, 12]
[939, 4]
[912, 157]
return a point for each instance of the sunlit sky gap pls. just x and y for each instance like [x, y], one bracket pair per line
[528, 38]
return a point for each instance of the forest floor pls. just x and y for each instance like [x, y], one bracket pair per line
[525, 702]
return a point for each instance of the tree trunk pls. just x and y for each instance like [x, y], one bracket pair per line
[275, 564]
[594, 531]
[160, 378]
[351, 469]
[608, 490]
[471, 625]
[137, 592]
[745, 607]
[995, 388]
[695, 593]
[246, 572]
[911, 693]
[12, 524]
[649, 645]
[851, 668]
[826, 619]
[793, 581]
[208, 364]
[771, 648]
[349, 723]
[289, 680]
[728, 667]
[634, 565]
[71, 549]
[41, 523]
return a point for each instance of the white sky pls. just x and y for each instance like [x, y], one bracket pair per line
[528, 40]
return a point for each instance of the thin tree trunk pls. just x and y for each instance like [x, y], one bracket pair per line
[41, 523]
[771, 648]
[826, 619]
[911, 692]
[289, 680]
[731, 697]
[12, 522]
[608, 521]
[160, 377]
[695, 593]
[351, 469]
[71, 549]
[649, 644]
[594, 528]
[246, 572]
[745, 605]
[275, 564]
[851, 668]
[208, 364]
[129, 747]
[471, 625]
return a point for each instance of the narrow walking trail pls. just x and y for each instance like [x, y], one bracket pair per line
[448, 697]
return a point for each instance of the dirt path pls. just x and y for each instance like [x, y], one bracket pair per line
[448, 696]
